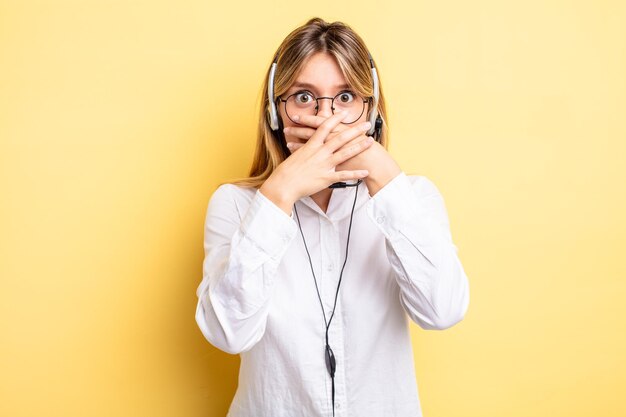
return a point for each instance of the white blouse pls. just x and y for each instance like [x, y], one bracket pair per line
[258, 299]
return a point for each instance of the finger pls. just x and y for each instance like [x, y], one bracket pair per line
[327, 126]
[299, 132]
[337, 130]
[307, 132]
[315, 122]
[349, 151]
[340, 176]
[311, 120]
[347, 135]
[354, 141]
[294, 146]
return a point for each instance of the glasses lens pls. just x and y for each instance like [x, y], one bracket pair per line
[304, 104]
[351, 103]
[300, 104]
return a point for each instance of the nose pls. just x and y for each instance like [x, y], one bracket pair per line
[324, 107]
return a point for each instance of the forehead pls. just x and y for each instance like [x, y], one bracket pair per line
[321, 71]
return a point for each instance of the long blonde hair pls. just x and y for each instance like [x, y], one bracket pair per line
[316, 35]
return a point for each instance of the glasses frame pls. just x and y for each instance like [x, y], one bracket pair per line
[332, 103]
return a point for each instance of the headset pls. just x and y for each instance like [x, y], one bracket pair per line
[276, 124]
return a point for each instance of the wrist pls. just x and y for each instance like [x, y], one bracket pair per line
[381, 176]
[382, 169]
[278, 195]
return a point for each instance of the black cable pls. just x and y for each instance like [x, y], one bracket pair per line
[329, 355]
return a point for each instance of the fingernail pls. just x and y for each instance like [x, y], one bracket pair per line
[289, 145]
[366, 125]
[295, 118]
[286, 130]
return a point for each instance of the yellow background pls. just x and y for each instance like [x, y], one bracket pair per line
[119, 118]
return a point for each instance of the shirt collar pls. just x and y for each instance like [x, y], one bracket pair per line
[340, 203]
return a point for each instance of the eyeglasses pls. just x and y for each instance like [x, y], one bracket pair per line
[304, 102]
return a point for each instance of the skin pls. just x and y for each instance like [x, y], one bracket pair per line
[323, 150]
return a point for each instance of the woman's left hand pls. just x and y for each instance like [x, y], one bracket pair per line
[376, 160]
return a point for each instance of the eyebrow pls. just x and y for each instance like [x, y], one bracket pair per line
[311, 86]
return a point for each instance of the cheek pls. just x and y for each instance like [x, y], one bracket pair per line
[286, 120]
[366, 113]
[361, 119]
[288, 123]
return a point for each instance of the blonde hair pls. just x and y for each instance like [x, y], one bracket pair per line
[316, 35]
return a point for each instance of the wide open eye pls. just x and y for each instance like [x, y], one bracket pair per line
[346, 97]
[303, 97]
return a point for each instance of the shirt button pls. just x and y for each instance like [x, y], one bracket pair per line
[338, 405]
[329, 313]
[286, 239]
[330, 267]
[380, 220]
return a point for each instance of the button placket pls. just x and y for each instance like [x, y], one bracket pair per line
[338, 333]
[332, 251]
[329, 237]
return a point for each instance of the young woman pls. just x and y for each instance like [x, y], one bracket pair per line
[315, 263]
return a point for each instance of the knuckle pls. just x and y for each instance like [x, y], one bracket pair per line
[356, 148]
[348, 152]
[345, 154]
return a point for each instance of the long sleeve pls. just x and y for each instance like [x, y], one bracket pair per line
[242, 252]
[411, 213]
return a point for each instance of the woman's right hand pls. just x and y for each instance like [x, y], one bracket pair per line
[312, 168]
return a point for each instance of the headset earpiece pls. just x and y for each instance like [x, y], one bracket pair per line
[374, 114]
[274, 119]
